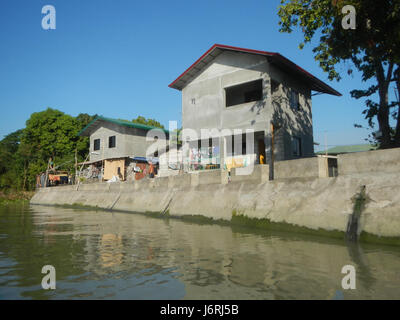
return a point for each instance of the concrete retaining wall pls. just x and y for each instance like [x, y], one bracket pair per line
[297, 197]
[308, 202]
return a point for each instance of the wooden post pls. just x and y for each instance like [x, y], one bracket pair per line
[271, 158]
[47, 173]
[80, 170]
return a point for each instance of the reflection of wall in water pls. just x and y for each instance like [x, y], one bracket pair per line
[211, 259]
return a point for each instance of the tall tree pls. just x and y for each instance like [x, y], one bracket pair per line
[50, 133]
[9, 175]
[148, 122]
[373, 47]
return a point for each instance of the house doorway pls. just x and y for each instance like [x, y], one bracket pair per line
[261, 151]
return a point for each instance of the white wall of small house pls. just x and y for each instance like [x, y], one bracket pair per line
[130, 142]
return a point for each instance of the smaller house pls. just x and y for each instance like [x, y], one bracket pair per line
[115, 143]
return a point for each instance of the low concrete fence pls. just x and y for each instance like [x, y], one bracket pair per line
[298, 168]
[369, 161]
[210, 177]
[259, 174]
[387, 161]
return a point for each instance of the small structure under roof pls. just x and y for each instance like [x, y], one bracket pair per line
[273, 58]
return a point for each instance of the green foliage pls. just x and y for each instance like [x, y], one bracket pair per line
[148, 122]
[9, 173]
[50, 133]
[373, 48]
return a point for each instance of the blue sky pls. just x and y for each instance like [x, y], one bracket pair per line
[116, 58]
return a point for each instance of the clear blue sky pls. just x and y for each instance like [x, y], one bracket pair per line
[116, 58]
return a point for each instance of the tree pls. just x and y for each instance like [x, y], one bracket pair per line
[148, 122]
[82, 144]
[8, 156]
[50, 133]
[373, 48]
[84, 119]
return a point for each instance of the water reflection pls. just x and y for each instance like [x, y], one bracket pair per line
[108, 255]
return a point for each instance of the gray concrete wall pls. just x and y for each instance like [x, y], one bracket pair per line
[294, 123]
[308, 202]
[210, 177]
[207, 89]
[369, 161]
[130, 142]
[297, 196]
[299, 168]
[260, 174]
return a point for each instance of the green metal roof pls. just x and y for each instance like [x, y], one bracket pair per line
[349, 149]
[118, 122]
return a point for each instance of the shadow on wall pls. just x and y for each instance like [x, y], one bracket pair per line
[292, 123]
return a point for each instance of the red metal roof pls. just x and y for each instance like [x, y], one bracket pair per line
[274, 57]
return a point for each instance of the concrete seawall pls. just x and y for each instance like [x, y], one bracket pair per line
[308, 201]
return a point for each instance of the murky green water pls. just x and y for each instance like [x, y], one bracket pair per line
[104, 255]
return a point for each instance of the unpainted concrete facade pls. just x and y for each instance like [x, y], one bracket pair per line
[129, 142]
[204, 104]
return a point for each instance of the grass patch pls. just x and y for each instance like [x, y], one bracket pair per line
[240, 220]
[14, 197]
[202, 220]
[371, 238]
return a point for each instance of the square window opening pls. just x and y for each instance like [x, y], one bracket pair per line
[243, 93]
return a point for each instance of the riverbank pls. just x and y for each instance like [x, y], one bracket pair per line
[11, 197]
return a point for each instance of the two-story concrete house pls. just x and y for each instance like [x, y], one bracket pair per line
[235, 88]
[114, 142]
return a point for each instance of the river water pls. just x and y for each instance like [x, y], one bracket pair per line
[104, 255]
